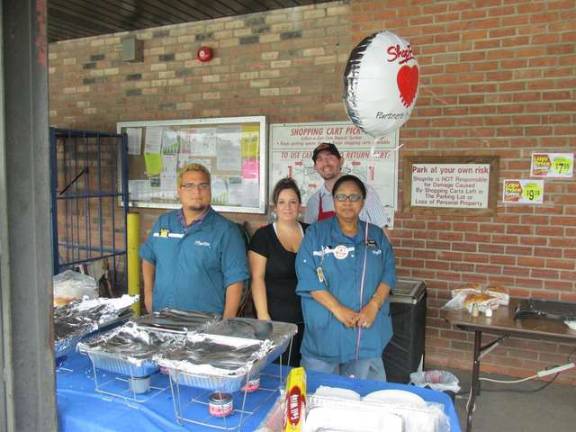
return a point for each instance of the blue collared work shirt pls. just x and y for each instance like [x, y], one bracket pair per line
[194, 264]
[342, 261]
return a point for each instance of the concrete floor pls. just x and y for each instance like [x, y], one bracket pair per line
[552, 409]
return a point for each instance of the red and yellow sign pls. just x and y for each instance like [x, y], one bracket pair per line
[552, 165]
[523, 191]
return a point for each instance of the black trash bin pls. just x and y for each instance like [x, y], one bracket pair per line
[405, 351]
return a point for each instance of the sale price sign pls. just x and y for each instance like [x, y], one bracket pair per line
[551, 165]
[523, 191]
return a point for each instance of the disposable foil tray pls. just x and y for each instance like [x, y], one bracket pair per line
[279, 333]
[215, 362]
[172, 320]
[63, 347]
[224, 384]
[213, 383]
[273, 336]
[79, 319]
[68, 332]
[115, 364]
[129, 350]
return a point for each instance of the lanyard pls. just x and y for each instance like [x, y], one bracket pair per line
[359, 329]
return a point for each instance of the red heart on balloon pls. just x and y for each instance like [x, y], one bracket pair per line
[407, 80]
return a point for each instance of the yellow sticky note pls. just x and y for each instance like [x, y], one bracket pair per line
[153, 164]
[249, 141]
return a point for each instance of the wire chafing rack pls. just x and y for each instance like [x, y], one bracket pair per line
[191, 391]
[122, 362]
[224, 357]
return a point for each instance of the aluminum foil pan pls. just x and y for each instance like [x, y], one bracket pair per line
[278, 333]
[69, 328]
[111, 363]
[129, 350]
[275, 331]
[214, 354]
[207, 382]
[226, 384]
[80, 318]
[177, 321]
[63, 347]
[214, 362]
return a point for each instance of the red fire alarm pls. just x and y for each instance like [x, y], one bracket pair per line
[204, 54]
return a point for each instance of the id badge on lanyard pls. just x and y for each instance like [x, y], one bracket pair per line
[320, 270]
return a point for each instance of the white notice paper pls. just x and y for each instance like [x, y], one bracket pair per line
[450, 185]
[153, 141]
[134, 140]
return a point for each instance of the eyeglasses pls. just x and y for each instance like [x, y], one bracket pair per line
[192, 186]
[352, 197]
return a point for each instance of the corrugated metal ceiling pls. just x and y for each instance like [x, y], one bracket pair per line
[72, 19]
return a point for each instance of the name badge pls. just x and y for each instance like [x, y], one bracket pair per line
[340, 252]
[320, 274]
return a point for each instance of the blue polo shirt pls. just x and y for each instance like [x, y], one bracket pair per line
[196, 263]
[342, 261]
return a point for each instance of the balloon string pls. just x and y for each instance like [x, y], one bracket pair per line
[393, 149]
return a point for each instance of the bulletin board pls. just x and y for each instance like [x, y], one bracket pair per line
[232, 148]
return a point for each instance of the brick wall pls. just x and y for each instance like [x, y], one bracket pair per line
[497, 78]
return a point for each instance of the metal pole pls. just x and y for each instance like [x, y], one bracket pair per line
[54, 207]
[25, 249]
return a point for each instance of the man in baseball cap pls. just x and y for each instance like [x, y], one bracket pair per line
[328, 147]
[328, 164]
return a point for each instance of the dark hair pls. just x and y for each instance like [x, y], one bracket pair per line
[283, 184]
[349, 178]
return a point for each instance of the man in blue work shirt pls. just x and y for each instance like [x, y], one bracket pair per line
[194, 259]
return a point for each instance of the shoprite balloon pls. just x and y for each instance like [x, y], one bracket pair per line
[381, 83]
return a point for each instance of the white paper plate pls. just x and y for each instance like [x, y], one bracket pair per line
[336, 392]
[352, 419]
[396, 397]
[571, 324]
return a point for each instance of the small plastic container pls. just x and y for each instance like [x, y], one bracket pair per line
[475, 310]
[139, 385]
[220, 404]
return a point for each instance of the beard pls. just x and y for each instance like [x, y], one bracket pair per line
[330, 175]
[197, 207]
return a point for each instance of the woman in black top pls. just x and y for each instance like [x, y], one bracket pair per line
[272, 255]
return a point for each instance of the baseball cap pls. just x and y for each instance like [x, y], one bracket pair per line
[329, 147]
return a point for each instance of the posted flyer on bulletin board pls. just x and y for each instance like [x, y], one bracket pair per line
[230, 152]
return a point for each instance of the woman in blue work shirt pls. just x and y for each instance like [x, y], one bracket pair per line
[345, 273]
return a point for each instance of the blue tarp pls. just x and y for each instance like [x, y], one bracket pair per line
[82, 409]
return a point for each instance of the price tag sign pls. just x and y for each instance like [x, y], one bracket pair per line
[523, 191]
[552, 165]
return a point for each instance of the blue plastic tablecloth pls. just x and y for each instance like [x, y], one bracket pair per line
[81, 408]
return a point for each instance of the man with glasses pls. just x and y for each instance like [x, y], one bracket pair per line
[328, 164]
[194, 259]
